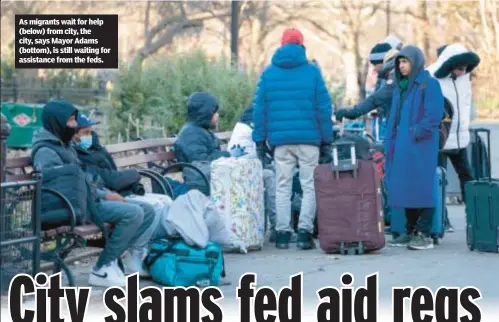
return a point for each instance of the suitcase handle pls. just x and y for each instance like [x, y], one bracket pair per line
[491, 214]
[487, 133]
[344, 165]
[476, 211]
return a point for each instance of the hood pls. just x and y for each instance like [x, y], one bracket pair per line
[55, 115]
[200, 108]
[453, 56]
[44, 135]
[247, 117]
[417, 59]
[290, 56]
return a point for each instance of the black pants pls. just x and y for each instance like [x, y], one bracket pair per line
[459, 159]
[412, 215]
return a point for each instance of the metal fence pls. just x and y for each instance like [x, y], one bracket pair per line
[19, 230]
[39, 95]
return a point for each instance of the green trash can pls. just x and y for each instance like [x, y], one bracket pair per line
[24, 119]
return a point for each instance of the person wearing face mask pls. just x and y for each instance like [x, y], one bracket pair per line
[54, 156]
[95, 156]
[452, 70]
[125, 182]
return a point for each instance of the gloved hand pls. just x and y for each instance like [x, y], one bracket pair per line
[345, 113]
[326, 154]
[237, 151]
[261, 153]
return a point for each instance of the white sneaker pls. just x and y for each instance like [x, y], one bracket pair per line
[107, 276]
[133, 263]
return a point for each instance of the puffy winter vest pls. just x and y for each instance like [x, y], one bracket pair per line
[458, 93]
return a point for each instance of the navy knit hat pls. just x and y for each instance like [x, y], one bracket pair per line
[378, 53]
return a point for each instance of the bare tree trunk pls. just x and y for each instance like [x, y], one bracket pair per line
[424, 25]
[485, 25]
[388, 17]
[352, 89]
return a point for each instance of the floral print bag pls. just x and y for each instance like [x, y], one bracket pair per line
[238, 194]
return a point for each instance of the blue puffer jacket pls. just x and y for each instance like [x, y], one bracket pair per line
[292, 104]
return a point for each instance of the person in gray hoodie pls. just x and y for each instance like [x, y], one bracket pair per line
[52, 154]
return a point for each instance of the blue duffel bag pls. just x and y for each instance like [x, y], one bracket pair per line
[175, 263]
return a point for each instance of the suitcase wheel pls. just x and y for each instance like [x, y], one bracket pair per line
[470, 247]
[352, 248]
[436, 240]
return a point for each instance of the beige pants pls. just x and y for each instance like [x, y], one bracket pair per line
[287, 158]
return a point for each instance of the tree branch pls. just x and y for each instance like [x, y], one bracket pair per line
[146, 19]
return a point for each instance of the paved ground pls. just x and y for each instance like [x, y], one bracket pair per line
[449, 264]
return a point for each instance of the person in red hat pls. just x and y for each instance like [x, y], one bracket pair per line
[292, 115]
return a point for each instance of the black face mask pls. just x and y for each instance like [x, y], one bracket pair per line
[67, 134]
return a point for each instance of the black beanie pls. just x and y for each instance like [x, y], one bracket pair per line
[378, 53]
[441, 49]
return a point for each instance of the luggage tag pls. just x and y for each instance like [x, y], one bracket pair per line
[344, 165]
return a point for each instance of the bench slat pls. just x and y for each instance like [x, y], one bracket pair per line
[18, 163]
[224, 136]
[144, 158]
[138, 145]
[23, 162]
[153, 143]
[18, 177]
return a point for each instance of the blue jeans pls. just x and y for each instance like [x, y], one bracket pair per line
[133, 223]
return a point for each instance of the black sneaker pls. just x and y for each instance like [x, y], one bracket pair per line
[272, 236]
[282, 239]
[305, 240]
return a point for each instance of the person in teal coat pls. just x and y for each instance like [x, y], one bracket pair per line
[412, 143]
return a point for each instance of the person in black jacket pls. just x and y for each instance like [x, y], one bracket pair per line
[196, 143]
[380, 100]
[54, 156]
[96, 158]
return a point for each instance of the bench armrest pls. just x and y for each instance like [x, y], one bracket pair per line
[164, 186]
[72, 214]
[181, 166]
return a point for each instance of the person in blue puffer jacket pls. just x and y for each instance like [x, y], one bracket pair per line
[292, 113]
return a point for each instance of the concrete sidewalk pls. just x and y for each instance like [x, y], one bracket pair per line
[450, 264]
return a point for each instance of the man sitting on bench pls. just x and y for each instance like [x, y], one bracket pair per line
[51, 152]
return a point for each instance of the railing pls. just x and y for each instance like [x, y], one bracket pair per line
[19, 230]
[20, 211]
[79, 96]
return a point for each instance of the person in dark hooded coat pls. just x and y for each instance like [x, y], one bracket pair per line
[196, 143]
[54, 156]
[412, 143]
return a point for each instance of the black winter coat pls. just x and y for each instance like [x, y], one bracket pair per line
[98, 160]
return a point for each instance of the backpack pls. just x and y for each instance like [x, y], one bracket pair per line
[175, 263]
[446, 122]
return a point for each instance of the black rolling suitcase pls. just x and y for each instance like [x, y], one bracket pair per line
[482, 208]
